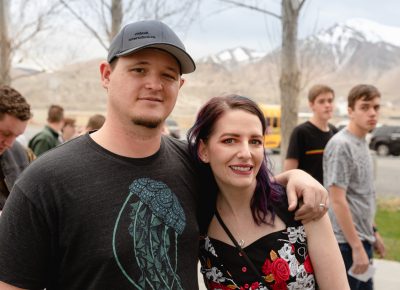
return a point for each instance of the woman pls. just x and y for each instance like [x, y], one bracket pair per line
[253, 241]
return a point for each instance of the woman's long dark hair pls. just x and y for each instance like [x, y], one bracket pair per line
[266, 192]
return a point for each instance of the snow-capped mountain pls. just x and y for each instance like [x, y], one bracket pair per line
[231, 58]
[357, 51]
[356, 44]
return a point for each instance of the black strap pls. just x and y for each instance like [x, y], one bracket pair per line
[238, 247]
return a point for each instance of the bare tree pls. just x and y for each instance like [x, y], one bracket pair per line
[5, 46]
[112, 14]
[27, 21]
[289, 81]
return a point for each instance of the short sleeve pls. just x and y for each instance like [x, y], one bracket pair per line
[295, 143]
[337, 165]
[24, 243]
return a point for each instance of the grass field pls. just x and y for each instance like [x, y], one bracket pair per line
[388, 223]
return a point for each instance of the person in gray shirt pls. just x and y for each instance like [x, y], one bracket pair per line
[348, 176]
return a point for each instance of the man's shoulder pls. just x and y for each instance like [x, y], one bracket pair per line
[177, 144]
[69, 151]
[338, 142]
[45, 134]
[17, 148]
[300, 129]
[303, 126]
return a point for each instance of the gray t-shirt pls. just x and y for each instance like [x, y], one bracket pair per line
[348, 164]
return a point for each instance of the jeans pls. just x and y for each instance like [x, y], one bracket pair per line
[346, 251]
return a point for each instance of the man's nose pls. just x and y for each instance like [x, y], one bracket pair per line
[154, 82]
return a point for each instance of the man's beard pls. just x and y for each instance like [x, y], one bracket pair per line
[151, 124]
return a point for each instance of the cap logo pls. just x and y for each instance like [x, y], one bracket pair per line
[141, 35]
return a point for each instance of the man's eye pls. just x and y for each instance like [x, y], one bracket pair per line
[138, 70]
[170, 76]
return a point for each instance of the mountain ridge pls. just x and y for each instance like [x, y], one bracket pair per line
[354, 57]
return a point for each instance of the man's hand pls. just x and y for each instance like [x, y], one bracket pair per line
[301, 185]
[379, 246]
[360, 260]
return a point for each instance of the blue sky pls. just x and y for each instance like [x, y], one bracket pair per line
[242, 27]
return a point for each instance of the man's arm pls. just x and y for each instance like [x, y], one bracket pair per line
[290, 163]
[4, 286]
[379, 245]
[345, 221]
[300, 184]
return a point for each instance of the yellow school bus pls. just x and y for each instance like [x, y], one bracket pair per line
[272, 113]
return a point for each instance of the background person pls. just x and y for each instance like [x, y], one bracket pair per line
[308, 140]
[49, 137]
[69, 130]
[95, 122]
[14, 116]
[348, 175]
[253, 241]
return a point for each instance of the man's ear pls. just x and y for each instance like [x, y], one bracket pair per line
[105, 72]
[350, 112]
[202, 152]
[182, 81]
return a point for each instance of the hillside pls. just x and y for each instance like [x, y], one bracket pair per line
[358, 51]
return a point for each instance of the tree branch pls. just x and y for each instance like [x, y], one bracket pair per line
[86, 24]
[251, 7]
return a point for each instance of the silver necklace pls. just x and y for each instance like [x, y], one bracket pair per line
[241, 242]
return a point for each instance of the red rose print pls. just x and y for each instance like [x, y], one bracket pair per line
[255, 285]
[308, 266]
[280, 269]
[281, 285]
[267, 267]
[217, 286]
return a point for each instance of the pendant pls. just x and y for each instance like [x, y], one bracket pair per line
[241, 243]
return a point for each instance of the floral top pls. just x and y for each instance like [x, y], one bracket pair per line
[281, 257]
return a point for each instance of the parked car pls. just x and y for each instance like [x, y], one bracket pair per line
[173, 128]
[386, 140]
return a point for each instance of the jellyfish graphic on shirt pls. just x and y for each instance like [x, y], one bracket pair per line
[156, 220]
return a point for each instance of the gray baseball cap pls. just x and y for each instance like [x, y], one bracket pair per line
[150, 33]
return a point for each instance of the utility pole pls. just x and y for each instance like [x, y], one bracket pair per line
[5, 45]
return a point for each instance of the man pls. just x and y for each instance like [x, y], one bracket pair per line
[95, 122]
[14, 115]
[49, 137]
[348, 176]
[117, 208]
[308, 140]
[69, 130]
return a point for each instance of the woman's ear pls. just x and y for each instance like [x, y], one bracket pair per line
[202, 152]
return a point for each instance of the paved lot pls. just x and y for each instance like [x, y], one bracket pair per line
[386, 174]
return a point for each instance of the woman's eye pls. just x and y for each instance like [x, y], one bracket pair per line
[228, 141]
[256, 142]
